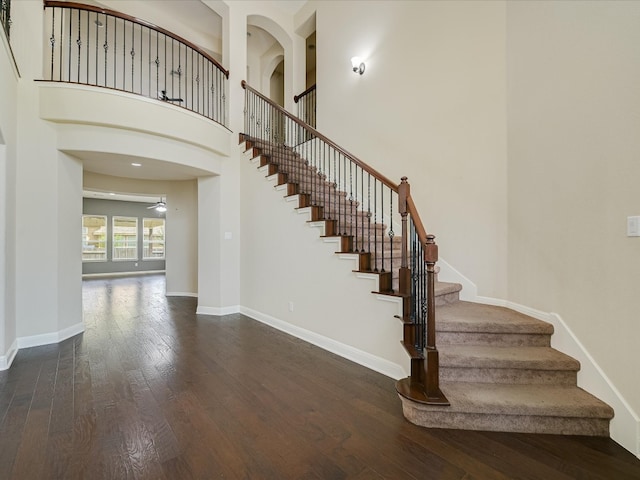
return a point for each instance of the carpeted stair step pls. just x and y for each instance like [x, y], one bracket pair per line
[477, 324]
[555, 409]
[522, 365]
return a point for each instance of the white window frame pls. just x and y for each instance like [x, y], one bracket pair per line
[146, 242]
[114, 247]
[86, 241]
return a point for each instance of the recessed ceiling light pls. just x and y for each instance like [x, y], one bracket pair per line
[136, 164]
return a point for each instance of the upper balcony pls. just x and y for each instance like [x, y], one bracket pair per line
[151, 80]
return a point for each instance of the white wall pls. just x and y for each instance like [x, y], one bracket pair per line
[574, 166]
[8, 119]
[284, 260]
[431, 106]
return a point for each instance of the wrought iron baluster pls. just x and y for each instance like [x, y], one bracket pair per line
[88, 46]
[97, 20]
[52, 39]
[391, 233]
[105, 46]
[70, 13]
[361, 202]
[60, 67]
[133, 55]
[369, 213]
[79, 43]
[375, 224]
[382, 234]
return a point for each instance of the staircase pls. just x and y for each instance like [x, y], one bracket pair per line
[494, 368]
[497, 368]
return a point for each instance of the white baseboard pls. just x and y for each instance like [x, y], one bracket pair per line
[447, 273]
[181, 294]
[218, 311]
[7, 359]
[625, 426]
[49, 338]
[37, 341]
[360, 357]
[121, 274]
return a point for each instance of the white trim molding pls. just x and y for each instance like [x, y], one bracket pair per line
[360, 357]
[49, 338]
[7, 359]
[625, 425]
[37, 341]
[217, 311]
[181, 294]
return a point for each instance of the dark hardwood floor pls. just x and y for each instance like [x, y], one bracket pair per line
[152, 391]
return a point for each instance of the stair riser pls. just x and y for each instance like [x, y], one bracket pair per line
[506, 375]
[497, 339]
[505, 423]
[446, 299]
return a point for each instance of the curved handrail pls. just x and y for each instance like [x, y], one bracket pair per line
[114, 13]
[372, 171]
[306, 92]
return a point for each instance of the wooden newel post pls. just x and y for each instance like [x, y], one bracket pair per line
[432, 360]
[404, 190]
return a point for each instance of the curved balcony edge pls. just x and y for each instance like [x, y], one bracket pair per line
[68, 103]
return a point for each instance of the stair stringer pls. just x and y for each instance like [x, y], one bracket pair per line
[360, 313]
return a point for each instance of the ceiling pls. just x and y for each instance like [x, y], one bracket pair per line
[117, 165]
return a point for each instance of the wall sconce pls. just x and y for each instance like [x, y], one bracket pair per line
[358, 65]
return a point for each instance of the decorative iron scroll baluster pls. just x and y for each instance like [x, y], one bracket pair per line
[133, 54]
[52, 39]
[106, 48]
[79, 44]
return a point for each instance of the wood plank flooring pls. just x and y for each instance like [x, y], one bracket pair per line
[153, 391]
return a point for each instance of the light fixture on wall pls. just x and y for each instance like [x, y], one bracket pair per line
[357, 64]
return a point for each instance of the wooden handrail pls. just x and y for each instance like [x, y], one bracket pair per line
[417, 221]
[306, 92]
[106, 11]
[370, 170]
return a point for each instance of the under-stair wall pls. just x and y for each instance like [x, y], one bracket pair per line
[292, 280]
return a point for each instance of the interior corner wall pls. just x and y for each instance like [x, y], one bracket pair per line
[181, 242]
[69, 223]
[573, 103]
[430, 105]
[8, 123]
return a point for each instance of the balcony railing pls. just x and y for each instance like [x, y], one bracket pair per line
[307, 106]
[94, 46]
[5, 15]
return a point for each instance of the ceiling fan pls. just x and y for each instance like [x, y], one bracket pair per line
[163, 96]
[160, 206]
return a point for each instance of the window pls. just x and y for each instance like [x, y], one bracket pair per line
[94, 238]
[125, 238]
[153, 238]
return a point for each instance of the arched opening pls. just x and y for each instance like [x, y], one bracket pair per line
[264, 56]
